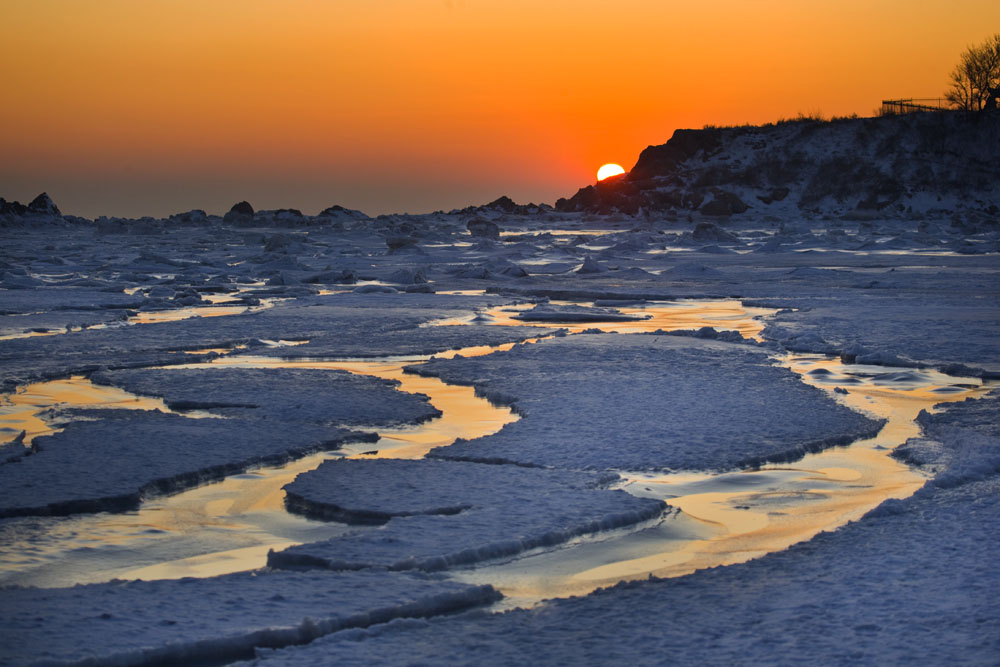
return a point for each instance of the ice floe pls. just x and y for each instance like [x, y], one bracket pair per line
[444, 514]
[647, 402]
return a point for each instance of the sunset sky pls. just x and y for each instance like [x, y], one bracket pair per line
[152, 107]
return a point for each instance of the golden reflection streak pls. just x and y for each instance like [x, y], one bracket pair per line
[20, 410]
[224, 504]
[464, 415]
[728, 314]
[157, 316]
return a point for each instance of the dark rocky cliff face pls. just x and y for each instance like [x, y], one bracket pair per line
[888, 166]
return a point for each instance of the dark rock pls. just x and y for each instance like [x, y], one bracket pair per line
[776, 194]
[193, 217]
[483, 228]
[397, 243]
[341, 212]
[707, 232]
[239, 213]
[504, 205]
[277, 242]
[44, 205]
[13, 208]
[724, 203]
[612, 195]
[658, 161]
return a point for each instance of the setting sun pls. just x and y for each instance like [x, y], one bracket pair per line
[609, 170]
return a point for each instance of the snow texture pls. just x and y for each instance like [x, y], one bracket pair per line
[210, 621]
[300, 396]
[110, 464]
[445, 513]
[641, 402]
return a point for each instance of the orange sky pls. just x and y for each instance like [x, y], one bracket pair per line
[125, 107]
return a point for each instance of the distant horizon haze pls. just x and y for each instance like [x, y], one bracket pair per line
[129, 109]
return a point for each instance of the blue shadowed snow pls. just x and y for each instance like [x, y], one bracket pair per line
[284, 394]
[184, 621]
[111, 463]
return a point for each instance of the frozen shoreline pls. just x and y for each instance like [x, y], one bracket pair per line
[908, 307]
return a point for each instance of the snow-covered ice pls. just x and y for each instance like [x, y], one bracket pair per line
[294, 395]
[109, 464]
[443, 514]
[214, 620]
[641, 402]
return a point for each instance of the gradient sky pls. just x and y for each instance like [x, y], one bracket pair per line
[152, 107]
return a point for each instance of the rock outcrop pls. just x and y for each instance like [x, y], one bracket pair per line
[240, 213]
[41, 210]
[483, 228]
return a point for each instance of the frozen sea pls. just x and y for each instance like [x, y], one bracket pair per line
[575, 439]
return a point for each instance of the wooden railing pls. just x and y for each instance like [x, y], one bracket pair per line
[914, 104]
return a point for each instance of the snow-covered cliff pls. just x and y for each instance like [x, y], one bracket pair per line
[891, 166]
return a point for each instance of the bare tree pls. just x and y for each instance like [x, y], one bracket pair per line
[976, 76]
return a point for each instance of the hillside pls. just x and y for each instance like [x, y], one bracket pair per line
[892, 166]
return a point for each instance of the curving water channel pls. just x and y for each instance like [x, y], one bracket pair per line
[228, 526]
[717, 519]
[727, 518]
